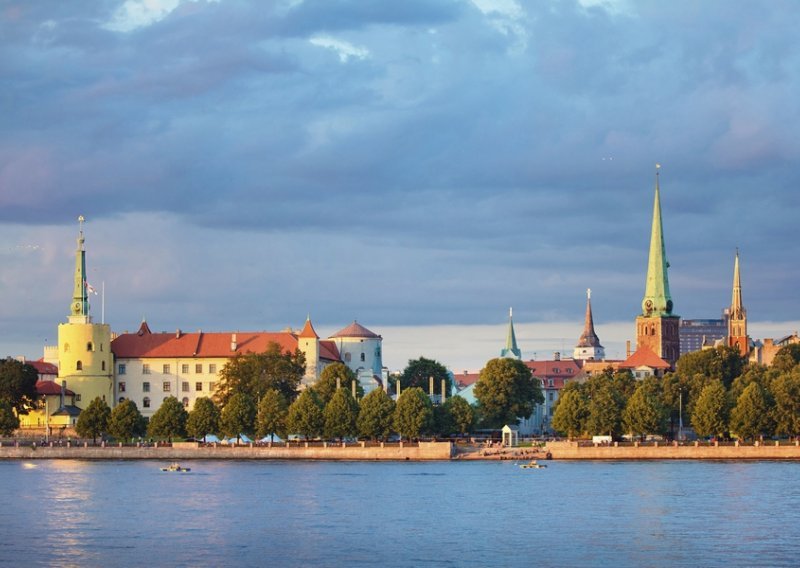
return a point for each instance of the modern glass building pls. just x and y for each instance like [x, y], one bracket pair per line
[693, 331]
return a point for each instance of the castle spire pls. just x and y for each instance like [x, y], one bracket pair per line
[657, 300]
[511, 350]
[80, 299]
[588, 346]
[737, 307]
[737, 316]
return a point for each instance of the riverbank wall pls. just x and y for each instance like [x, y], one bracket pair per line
[673, 451]
[422, 451]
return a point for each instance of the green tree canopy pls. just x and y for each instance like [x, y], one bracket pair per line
[787, 357]
[571, 412]
[169, 420]
[645, 412]
[751, 417]
[255, 373]
[8, 419]
[506, 392]
[462, 414]
[723, 363]
[375, 415]
[710, 413]
[93, 420]
[785, 391]
[341, 414]
[238, 416]
[126, 421]
[17, 383]
[605, 407]
[203, 419]
[305, 415]
[271, 416]
[418, 373]
[325, 387]
[413, 415]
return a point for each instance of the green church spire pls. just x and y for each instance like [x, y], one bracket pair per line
[657, 301]
[80, 300]
[511, 349]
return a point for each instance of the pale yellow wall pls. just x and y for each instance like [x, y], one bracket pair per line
[95, 378]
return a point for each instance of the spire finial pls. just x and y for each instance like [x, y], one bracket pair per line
[511, 312]
[588, 293]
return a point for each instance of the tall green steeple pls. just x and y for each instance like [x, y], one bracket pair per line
[80, 299]
[511, 350]
[657, 301]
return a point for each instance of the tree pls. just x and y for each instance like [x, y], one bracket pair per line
[786, 394]
[645, 412]
[462, 414]
[255, 373]
[271, 415]
[305, 415]
[375, 415]
[605, 409]
[750, 418]
[17, 383]
[418, 373]
[325, 387]
[341, 414]
[203, 419]
[93, 420]
[169, 420]
[506, 392]
[8, 420]
[723, 363]
[571, 412]
[787, 357]
[414, 413]
[238, 416]
[710, 414]
[126, 421]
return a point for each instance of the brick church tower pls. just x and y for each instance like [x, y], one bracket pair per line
[737, 318]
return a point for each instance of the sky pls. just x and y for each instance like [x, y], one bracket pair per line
[418, 166]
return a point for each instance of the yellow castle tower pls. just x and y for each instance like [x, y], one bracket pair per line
[85, 360]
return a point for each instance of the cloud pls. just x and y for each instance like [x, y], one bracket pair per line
[342, 48]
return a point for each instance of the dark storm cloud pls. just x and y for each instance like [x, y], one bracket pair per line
[448, 159]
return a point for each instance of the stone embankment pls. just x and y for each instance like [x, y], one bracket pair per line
[673, 451]
[422, 451]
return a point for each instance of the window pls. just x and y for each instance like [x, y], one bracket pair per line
[146, 402]
[79, 366]
[569, 371]
[211, 386]
[121, 386]
[145, 387]
[89, 346]
[102, 365]
[185, 401]
[185, 386]
[363, 357]
[77, 397]
[121, 369]
[66, 348]
[550, 396]
[198, 368]
[166, 386]
[164, 399]
[549, 382]
[165, 369]
[121, 399]
[101, 347]
[145, 368]
[198, 386]
[212, 368]
[347, 357]
[185, 369]
[377, 352]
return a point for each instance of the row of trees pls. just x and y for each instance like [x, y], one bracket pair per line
[17, 392]
[714, 391]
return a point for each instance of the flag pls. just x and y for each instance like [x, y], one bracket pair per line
[89, 288]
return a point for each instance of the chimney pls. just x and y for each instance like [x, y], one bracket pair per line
[627, 348]
[556, 356]
[63, 392]
[178, 334]
[234, 345]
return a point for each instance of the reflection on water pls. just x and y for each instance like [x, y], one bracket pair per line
[72, 513]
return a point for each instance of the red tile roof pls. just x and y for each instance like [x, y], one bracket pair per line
[644, 357]
[145, 344]
[51, 387]
[308, 330]
[465, 379]
[355, 329]
[43, 368]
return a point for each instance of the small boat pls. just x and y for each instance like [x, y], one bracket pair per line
[533, 464]
[176, 467]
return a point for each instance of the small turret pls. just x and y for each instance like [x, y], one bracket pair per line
[511, 350]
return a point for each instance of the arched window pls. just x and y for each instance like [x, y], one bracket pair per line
[66, 347]
[79, 366]
[146, 402]
[363, 357]
[90, 346]
[185, 402]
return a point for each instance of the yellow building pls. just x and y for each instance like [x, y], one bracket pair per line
[85, 360]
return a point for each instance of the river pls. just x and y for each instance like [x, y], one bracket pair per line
[299, 513]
